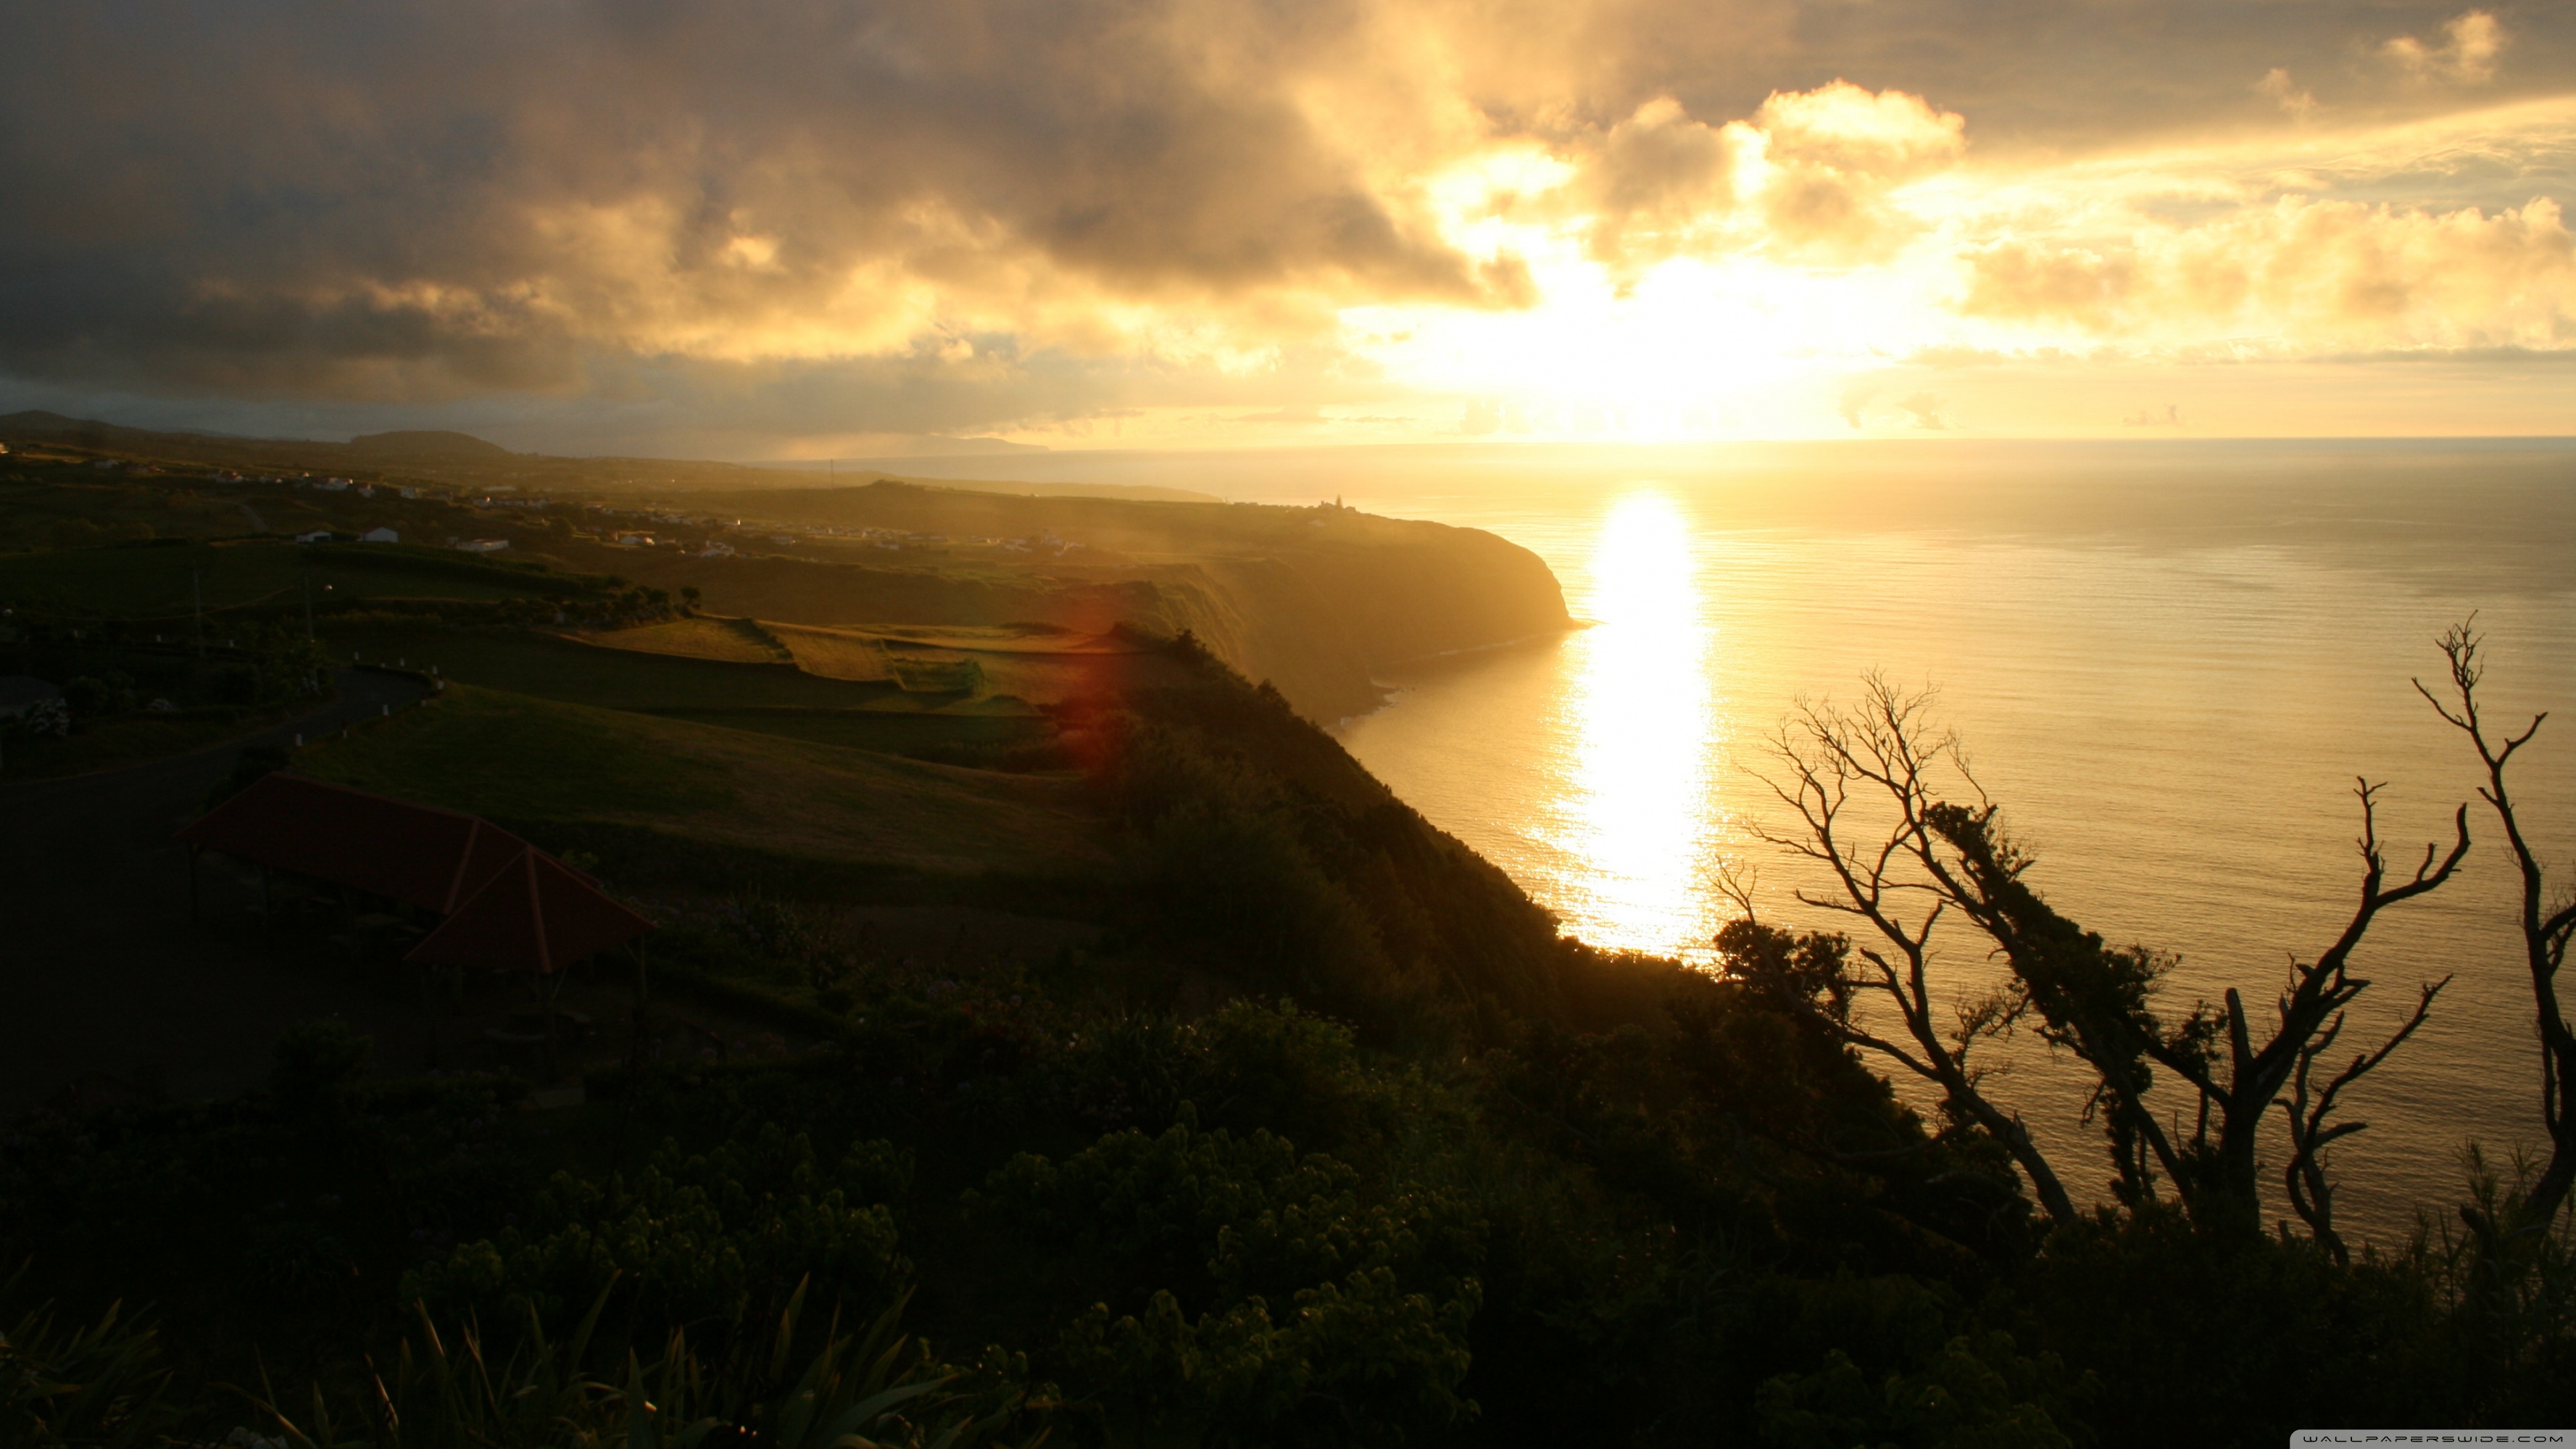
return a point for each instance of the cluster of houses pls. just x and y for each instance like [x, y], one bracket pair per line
[325, 485]
[892, 540]
[372, 535]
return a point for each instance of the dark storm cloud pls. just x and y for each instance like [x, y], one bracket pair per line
[389, 200]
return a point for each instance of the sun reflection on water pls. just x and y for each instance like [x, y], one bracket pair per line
[1635, 812]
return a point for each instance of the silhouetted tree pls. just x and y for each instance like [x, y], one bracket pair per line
[2097, 1001]
[1838, 764]
[2546, 924]
[2312, 1128]
[1924, 856]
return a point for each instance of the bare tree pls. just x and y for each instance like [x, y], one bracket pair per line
[2546, 924]
[1932, 856]
[1862, 783]
[2311, 1193]
[2096, 1000]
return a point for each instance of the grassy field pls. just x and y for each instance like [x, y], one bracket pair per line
[737, 641]
[516, 757]
[1012, 662]
[55, 508]
[583, 673]
[128, 740]
[834, 653]
[161, 581]
[891, 732]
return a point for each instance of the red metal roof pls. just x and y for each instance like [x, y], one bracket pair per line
[537, 915]
[417, 854]
[508, 904]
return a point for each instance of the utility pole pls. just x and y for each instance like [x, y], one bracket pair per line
[308, 605]
[197, 596]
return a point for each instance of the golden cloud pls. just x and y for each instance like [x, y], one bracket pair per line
[2467, 55]
[2311, 275]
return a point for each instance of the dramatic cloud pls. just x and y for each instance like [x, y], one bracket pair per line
[471, 195]
[1806, 177]
[2324, 274]
[1835, 155]
[829, 217]
[2295, 101]
[1656, 182]
[2467, 54]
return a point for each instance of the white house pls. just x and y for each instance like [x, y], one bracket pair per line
[319, 535]
[484, 545]
[380, 535]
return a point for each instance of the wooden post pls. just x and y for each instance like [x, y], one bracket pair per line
[546, 987]
[640, 1027]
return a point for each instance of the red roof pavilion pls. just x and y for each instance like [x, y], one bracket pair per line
[507, 903]
[537, 915]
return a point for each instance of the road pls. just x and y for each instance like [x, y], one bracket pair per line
[102, 975]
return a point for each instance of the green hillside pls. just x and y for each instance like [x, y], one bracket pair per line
[512, 757]
[531, 662]
[167, 578]
[1312, 599]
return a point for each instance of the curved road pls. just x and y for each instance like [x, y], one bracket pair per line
[101, 973]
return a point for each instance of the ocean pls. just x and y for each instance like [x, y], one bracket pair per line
[2168, 662]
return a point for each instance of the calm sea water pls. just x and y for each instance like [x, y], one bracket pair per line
[2169, 663]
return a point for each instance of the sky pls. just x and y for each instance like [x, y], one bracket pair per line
[818, 228]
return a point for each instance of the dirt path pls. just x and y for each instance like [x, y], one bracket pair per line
[101, 971]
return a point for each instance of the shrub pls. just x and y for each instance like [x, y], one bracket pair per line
[317, 1063]
[1377, 1293]
[723, 1237]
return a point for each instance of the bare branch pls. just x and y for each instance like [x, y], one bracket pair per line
[2311, 1194]
[2544, 932]
[1858, 782]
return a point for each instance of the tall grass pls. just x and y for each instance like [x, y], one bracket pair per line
[100, 1387]
[876, 1390]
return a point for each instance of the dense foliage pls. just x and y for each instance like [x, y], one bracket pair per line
[1714, 1226]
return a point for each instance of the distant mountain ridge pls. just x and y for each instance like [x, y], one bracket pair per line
[410, 444]
[377, 449]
